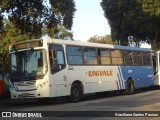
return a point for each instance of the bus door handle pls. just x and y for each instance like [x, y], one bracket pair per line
[70, 68]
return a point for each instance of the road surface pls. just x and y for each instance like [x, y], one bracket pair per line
[117, 105]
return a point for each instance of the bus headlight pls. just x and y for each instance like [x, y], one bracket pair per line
[11, 87]
[44, 83]
[41, 85]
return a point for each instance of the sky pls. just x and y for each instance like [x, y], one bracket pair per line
[89, 20]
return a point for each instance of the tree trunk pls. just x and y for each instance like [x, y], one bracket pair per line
[154, 42]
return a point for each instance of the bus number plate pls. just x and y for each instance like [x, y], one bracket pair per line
[25, 94]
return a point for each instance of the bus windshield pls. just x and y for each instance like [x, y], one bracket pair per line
[27, 65]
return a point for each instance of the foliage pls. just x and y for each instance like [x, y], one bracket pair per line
[63, 34]
[131, 21]
[152, 7]
[102, 39]
[64, 9]
[31, 15]
[27, 19]
[10, 35]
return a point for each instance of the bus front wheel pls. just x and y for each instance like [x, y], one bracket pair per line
[76, 93]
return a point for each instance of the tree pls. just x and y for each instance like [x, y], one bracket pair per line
[130, 22]
[152, 7]
[27, 19]
[64, 12]
[64, 34]
[31, 15]
[10, 34]
[102, 39]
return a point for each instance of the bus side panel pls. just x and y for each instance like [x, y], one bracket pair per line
[97, 78]
[142, 75]
[80, 73]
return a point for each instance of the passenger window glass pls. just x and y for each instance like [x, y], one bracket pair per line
[137, 58]
[105, 56]
[146, 58]
[117, 58]
[128, 58]
[74, 56]
[90, 56]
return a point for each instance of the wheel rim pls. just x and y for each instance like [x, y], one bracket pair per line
[76, 93]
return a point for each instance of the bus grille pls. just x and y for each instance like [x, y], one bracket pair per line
[25, 83]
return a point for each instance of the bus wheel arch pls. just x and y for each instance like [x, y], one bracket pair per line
[130, 86]
[77, 91]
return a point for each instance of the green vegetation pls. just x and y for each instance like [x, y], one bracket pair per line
[107, 39]
[27, 19]
[134, 21]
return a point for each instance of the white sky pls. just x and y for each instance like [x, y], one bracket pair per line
[89, 20]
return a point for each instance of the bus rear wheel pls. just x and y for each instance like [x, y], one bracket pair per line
[130, 88]
[76, 93]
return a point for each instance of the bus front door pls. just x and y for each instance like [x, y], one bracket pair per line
[58, 70]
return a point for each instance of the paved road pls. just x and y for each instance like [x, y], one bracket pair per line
[141, 101]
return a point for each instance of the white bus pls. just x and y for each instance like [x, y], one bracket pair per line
[156, 64]
[48, 68]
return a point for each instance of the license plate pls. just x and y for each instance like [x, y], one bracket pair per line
[25, 94]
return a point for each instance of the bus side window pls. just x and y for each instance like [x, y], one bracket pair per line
[127, 57]
[116, 57]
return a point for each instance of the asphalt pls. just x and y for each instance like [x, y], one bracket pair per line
[8, 100]
[5, 98]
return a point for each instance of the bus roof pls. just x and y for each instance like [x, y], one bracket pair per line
[89, 44]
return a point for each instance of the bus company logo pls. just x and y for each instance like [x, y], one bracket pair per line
[21, 114]
[96, 73]
[6, 114]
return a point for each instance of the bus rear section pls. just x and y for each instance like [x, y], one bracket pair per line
[107, 68]
[156, 64]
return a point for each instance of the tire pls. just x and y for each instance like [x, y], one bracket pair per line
[76, 93]
[130, 88]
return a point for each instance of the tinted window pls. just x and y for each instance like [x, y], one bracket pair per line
[127, 57]
[74, 55]
[90, 56]
[137, 58]
[117, 58]
[146, 58]
[105, 56]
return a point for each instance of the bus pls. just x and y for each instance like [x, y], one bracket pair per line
[156, 66]
[49, 68]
